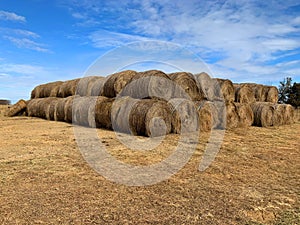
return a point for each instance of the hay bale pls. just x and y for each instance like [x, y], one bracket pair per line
[270, 94]
[224, 89]
[232, 117]
[103, 109]
[207, 115]
[245, 113]
[184, 115]
[50, 109]
[206, 85]
[283, 114]
[17, 109]
[186, 83]
[96, 86]
[82, 111]
[149, 84]
[263, 114]
[4, 102]
[244, 93]
[116, 82]
[147, 117]
[46, 90]
[82, 88]
[38, 107]
[59, 111]
[68, 88]
[258, 90]
[68, 108]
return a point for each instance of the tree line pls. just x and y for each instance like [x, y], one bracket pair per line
[289, 92]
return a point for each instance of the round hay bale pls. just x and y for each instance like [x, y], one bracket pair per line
[184, 116]
[116, 82]
[97, 86]
[103, 109]
[82, 88]
[50, 109]
[208, 115]
[46, 90]
[59, 110]
[82, 111]
[232, 117]
[270, 94]
[91, 83]
[33, 107]
[69, 108]
[224, 88]
[257, 89]
[244, 93]
[38, 107]
[68, 88]
[245, 113]
[283, 114]
[147, 117]
[263, 114]
[149, 84]
[206, 85]
[17, 109]
[186, 83]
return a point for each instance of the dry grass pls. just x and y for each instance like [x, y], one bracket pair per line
[44, 180]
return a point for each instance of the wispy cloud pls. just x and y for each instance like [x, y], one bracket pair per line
[27, 43]
[4, 15]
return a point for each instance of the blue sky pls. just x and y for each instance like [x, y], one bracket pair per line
[245, 41]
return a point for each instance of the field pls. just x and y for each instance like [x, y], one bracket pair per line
[254, 179]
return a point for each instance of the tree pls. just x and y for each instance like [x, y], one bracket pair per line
[284, 90]
[294, 95]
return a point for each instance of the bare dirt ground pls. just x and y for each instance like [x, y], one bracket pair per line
[255, 179]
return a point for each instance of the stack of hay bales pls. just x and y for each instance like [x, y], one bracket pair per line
[153, 103]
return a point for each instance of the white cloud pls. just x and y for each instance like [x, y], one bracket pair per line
[27, 43]
[11, 16]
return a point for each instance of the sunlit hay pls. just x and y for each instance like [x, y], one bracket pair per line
[103, 108]
[59, 109]
[96, 87]
[149, 84]
[186, 83]
[232, 117]
[16, 109]
[81, 110]
[46, 90]
[68, 88]
[184, 115]
[69, 108]
[151, 118]
[207, 115]
[245, 113]
[206, 85]
[270, 94]
[224, 88]
[83, 85]
[50, 109]
[116, 82]
[263, 114]
[244, 93]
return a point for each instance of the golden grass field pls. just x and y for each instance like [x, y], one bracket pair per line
[255, 179]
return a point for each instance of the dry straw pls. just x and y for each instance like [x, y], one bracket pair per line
[186, 85]
[207, 115]
[96, 86]
[232, 117]
[206, 85]
[244, 93]
[224, 89]
[184, 115]
[83, 112]
[83, 85]
[116, 82]
[46, 90]
[17, 109]
[149, 84]
[270, 94]
[102, 112]
[245, 113]
[68, 88]
[146, 117]
[263, 114]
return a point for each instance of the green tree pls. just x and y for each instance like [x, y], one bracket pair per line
[284, 90]
[294, 95]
